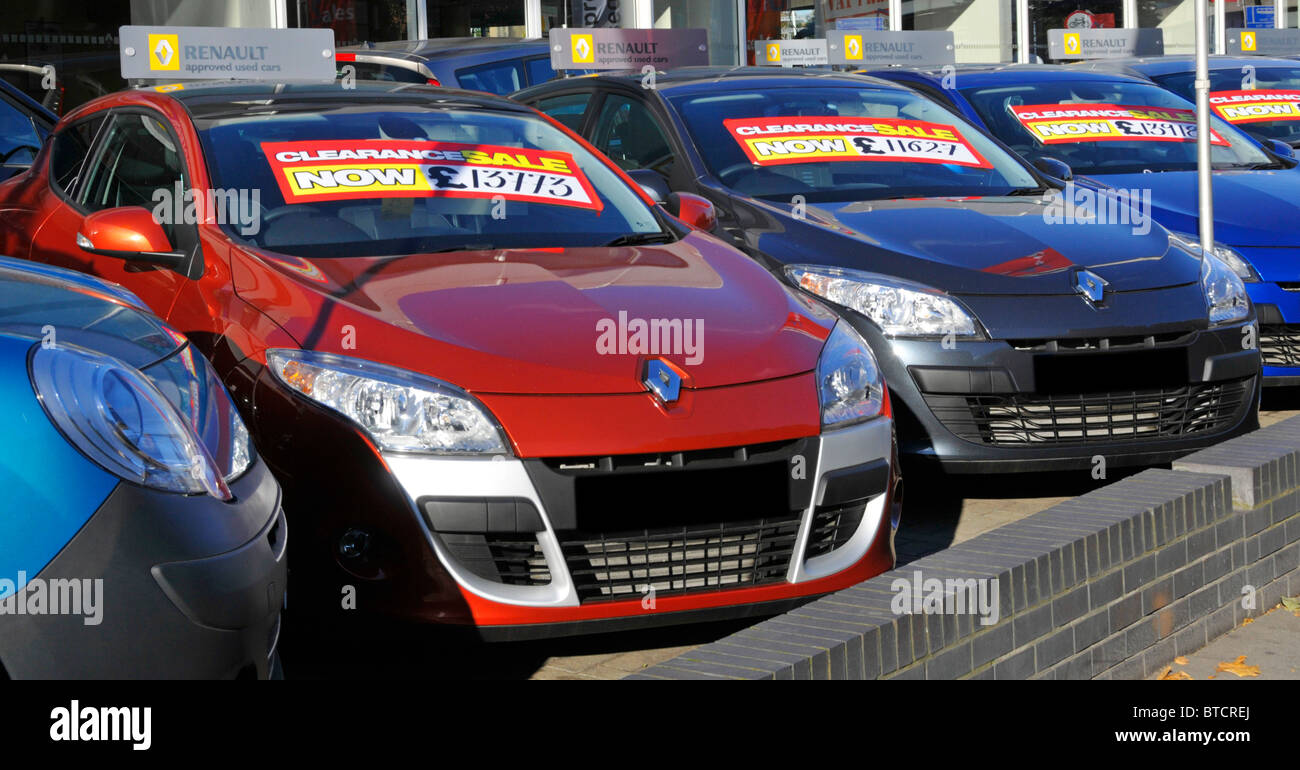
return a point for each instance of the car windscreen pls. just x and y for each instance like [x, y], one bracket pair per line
[1106, 127]
[354, 181]
[1265, 101]
[844, 143]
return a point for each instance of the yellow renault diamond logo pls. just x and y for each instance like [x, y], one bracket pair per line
[774, 52]
[584, 50]
[164, 52]
[853, 46]
[1247, 41]
[1072, 44]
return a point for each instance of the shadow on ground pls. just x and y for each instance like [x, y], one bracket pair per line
[381, 650]
[939, 505]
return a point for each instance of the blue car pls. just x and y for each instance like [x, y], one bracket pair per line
[1265, 92]
[1256, 188]
[140, 534]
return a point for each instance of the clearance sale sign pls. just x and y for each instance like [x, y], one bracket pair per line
[1255, 106]
[805, 139]
[1059, 123]
[354, 169]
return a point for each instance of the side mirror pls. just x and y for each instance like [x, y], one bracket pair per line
[694, 210]
[129, 233]
[652, 183]
[1280, 148]
[1054, 168]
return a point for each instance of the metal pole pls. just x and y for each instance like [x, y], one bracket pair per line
[1022, 31]
[1130, 10]
[895, 15]
[1220, 27]
[1279, 14]
[1204, 182]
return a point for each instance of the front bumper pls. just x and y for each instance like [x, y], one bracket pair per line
[191, 588]
[1135, 396]
[490, 544]
[1278, 310]
[572, 545]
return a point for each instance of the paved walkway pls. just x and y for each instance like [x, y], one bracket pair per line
[1271, 644]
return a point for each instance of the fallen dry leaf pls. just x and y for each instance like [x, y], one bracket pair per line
[1247, 621]
[1238, 667]
[1211, 676]
[1291, 603]
[1167, 674]
[1181, 660]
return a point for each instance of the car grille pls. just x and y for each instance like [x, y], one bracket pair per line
[513, 559]
[671, 523]
[682, 560]
[832, 527]
[624, 565]
[1279, 344]
[1140, 415]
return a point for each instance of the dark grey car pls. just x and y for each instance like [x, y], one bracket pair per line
[1010, 342]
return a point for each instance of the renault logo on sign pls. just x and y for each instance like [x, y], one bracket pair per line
[1072, 44]
[1090, 285]
[164, 52]
[584, 50]
[853, 46]
[1247, 42]
[774, 52]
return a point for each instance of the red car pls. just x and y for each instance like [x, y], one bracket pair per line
[501, 388]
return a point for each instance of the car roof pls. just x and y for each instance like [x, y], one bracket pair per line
[206, 100]
[1164, 65]
[723, 77]
[447, 47]
[992, 74]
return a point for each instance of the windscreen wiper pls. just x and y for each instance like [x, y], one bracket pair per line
[639, 239]
[1030, 191]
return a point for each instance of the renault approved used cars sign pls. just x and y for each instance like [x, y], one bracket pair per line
[216, 53]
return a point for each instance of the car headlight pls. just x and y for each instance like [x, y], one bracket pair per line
[1228, 255]
[1225, 294]
[899, 308]
[400, 411]
[116, 417]
[849, 385]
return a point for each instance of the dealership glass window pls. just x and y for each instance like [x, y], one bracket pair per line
[1178, 20]
[588, 13]
[476, 18]
[356, 21]
[716, 16]
[982, 30]
[1070, 14]
[799, 19]
[78, 39]
[1237, 14]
